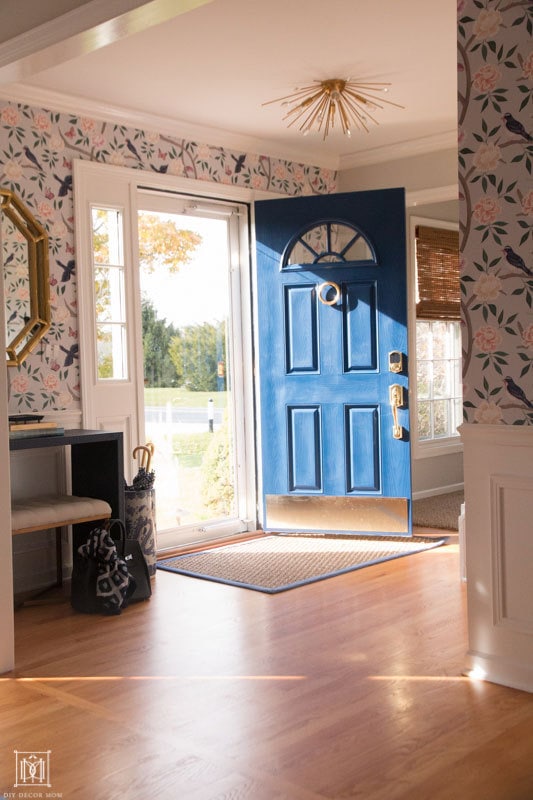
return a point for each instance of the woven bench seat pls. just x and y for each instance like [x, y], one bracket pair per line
[54, 511]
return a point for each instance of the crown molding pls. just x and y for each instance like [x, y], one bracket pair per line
[414, 147]
[217, 137]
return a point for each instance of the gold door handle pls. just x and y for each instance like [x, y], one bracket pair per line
[396, 400]
[329, 285]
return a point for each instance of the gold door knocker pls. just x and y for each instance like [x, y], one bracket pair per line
[329, 285]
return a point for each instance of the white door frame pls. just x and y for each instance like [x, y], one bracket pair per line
[125, 183]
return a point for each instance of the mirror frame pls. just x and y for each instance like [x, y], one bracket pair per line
[38, 273]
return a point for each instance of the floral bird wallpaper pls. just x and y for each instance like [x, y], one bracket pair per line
[37, 148]
[495, 72]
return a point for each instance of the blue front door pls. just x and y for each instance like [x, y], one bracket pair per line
[331, 277]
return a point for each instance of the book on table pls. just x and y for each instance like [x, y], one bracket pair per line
[27, 433]
[32, 426]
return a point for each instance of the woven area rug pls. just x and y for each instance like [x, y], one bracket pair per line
[276, 563]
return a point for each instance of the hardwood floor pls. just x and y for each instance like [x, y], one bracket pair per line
[346, 688]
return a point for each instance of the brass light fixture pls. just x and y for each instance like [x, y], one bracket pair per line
[335, 101]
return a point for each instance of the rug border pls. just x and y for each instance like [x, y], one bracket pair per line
[286, 587]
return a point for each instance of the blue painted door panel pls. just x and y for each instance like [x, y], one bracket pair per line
[326, 419]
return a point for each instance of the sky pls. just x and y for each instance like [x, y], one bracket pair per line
[199, 291]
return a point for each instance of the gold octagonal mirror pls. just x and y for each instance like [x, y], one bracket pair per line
[24, 244]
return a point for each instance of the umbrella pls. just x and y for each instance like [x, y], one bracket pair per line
[140, 506]
[144, 478]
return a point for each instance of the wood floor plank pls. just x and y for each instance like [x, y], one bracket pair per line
[347, 688]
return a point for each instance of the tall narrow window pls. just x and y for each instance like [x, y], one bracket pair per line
[438, 336]
[109, 289]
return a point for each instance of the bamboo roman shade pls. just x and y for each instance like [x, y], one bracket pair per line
[437, 268]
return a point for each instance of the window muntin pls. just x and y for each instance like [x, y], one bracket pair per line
[439, 388]
[109, 293]
[329, 242]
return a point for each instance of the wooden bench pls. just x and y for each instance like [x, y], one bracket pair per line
[56, 511]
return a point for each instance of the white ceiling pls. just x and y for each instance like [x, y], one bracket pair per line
[207, 72]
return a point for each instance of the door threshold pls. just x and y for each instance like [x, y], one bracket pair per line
[209, 544]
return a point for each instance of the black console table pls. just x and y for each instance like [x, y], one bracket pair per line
[97, 465]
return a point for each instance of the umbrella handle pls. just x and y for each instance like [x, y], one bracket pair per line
[147, 451]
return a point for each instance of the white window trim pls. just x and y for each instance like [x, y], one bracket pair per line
[433, 447]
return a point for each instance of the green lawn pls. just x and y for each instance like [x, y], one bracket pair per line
[183, 397]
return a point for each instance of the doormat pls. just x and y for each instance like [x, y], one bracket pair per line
[275, 563]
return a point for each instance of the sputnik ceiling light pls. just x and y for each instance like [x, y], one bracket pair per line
[324, 103]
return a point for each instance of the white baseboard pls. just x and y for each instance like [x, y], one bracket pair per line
[455, 487]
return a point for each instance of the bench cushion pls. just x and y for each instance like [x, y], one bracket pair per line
[53, 511]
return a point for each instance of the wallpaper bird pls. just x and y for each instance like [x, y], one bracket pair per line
[516, 260]
[515, 126]
[516, 391]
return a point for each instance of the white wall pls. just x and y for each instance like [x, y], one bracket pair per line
[414, 173]
[440, 473]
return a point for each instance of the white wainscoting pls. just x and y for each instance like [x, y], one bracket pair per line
[498, 469]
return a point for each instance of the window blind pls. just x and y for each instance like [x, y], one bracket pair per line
[437, 268]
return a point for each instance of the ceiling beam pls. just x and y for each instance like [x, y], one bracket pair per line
[81, 30]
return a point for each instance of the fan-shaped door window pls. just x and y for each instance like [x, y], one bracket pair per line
[328, 243]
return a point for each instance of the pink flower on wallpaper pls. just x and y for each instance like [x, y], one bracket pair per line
[527, 66]
[20, 384]
[98, 140]
[487, 24]
[41, 122]
[87, 124]
[203, 152]
[258, 182]
[488, 287]
[487, 157]
[117, 159]
[280, 172]
[13, 170]
[487, 210]
[45, 210]
[299, 175]
[527, 204]
[56, 143]
[10, 115]
[487, 339]
[59, 230]
[487, 78]
[527, 337]
[176, 167]
[50, 381]
[22, 293]
[488, 413]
